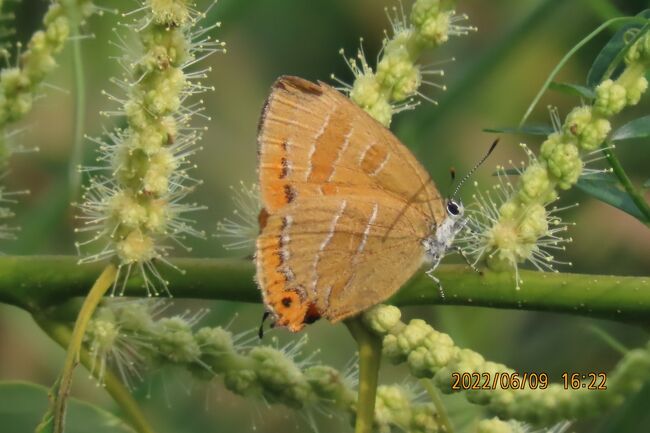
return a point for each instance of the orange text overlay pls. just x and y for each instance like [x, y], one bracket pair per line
[462, 381]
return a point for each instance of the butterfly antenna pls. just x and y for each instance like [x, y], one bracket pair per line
[471, 172]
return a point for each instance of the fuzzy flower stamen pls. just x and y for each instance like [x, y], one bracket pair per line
[135, 204]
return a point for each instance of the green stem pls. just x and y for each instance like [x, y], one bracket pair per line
[35, 282]
[61, 334]
[80, 102]
[441, 412]
[634, 193]
[369, 359]
[95, 295]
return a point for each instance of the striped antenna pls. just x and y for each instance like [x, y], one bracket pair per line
[471, 172]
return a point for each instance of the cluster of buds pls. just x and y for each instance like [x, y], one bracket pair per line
[138, 205]
[398, 405]
[133, 336]
[432, 354]
[515, 225]
[398, 75]
[20, 84]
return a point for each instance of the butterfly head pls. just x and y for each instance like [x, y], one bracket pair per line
[455, 209]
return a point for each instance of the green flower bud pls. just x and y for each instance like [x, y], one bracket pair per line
[163, 96]
[493, 425]
[431, 23]
[635, 90]
[535, 186]
[136, 247]
[367, 94]
[397, 71]
[169, 12]
[534, 224]
[158, 215]
[392, 407]
[242, 382]
[13, 81]
[134, 318]
[420, 362]
[127, 211]
[382, 111]
[150, 139]
[611, 98]
[57, 33]
[328, 384]
[423, 420]
[102, 335]
[137, 116]
[176, 342]
[382, 318]
[392, 350]
[216, 346]
[164, 49]
[590, 131]
[563, 161]
[283, 381]
[161, 166]
[640, 51]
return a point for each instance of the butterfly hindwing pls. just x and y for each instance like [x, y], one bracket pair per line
[337, 255]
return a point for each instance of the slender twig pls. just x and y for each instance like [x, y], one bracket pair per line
[441, 412]
[62, 387]
[80, 104]
[36, 282]
[634, 193]
[369, 345]
[61, 334]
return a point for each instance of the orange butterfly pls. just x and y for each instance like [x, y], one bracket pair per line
[348, 212]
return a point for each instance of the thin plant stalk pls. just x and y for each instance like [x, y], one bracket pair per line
[97, 291]
[62, 335]
[369, 345]
[80, 106]
[442, 416]
[572, 51]
[629, 187]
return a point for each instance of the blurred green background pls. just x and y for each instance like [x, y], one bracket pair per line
[496, 74]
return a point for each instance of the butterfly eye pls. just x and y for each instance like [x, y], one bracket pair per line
[452, 208]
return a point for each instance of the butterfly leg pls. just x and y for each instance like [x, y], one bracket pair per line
[460, 251]
[429, 273]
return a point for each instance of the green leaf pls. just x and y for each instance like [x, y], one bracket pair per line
[646, 184]
[573, 89]
[22, 403]
[605, 188]
[524, 130]
[630, 416]
[637, 128]
[611, 51]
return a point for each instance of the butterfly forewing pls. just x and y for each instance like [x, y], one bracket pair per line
[348, 206]
[313, 140]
